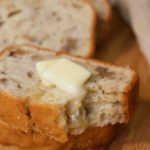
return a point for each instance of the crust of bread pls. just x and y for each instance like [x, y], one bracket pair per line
[131, 95]
[92, 47]
[35, 140]
[93, 39]
[92, 138]
[103, 22]
[12, 111]
[45, 119]
[40, 115]
[10, 136]
[103, 37]
[105, 25]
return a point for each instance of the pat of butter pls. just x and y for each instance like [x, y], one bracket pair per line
[42, 66]
[66, 75]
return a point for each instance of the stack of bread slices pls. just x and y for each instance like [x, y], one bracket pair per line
[36, 116]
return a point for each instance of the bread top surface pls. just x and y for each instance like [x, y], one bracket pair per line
[56, 24]
[18, 74]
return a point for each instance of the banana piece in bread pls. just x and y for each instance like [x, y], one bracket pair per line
[26, 104]
[62, 25]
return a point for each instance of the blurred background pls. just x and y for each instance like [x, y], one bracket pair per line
[123, 47]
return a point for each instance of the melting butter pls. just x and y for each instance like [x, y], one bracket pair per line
[63, 73]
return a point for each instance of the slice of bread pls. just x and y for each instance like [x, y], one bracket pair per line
[61, 25]
[57, 24]
[27, 105]
[36, 141]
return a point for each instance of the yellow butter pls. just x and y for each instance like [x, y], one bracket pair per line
[42, 66]
[65, 74]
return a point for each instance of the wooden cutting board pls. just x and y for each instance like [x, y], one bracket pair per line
[123, 49]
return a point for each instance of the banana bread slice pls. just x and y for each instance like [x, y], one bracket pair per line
[27, 105]
[56, 24]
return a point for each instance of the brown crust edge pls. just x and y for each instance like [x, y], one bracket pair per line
[101, 136]
[105, 26]
[93, 38]
[18, 115]
[131, 96]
